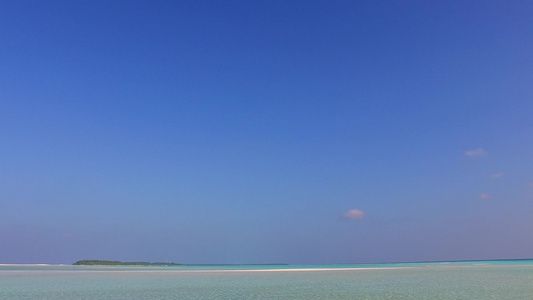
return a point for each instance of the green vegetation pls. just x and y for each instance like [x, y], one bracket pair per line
[120, 263]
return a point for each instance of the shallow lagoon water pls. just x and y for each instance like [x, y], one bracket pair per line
[464, 280]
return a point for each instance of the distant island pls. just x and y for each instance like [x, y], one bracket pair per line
[96, 262]
[121, 263]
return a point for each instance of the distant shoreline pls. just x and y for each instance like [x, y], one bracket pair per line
[161, 264]
[297, 267]
[158, 264]
[223, 271]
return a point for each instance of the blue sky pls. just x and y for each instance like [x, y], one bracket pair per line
[301, 132]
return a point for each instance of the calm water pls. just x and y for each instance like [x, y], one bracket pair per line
[464, 280]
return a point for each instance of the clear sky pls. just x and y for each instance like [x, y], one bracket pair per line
[301, 132]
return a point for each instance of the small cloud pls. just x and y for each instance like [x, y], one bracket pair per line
[476, 152]
[354, 214]
[498, 175]
[484, 196]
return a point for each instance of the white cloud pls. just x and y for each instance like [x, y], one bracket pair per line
[476, 152]
[484, 196]
[498, 175]
[355, 214]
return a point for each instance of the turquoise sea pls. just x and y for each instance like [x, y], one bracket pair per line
[512, 279]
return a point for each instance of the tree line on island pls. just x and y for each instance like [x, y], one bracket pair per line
[96, 262]
[121, 263]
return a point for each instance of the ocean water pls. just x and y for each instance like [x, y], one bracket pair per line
[454, 280]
